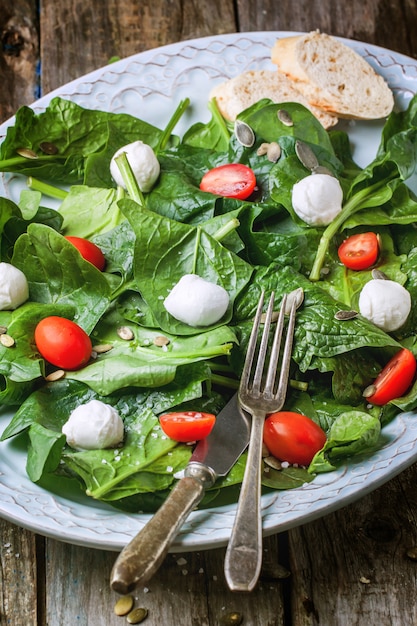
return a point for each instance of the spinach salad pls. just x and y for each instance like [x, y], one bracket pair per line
[150, 241]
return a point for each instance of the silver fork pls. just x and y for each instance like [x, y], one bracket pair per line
[261, 396]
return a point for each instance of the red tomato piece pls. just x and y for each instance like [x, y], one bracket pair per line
[394, 379]
[186, 426]
[360, 251]
[233, 180]
[89, 251]
[62, 342]
[293, 437]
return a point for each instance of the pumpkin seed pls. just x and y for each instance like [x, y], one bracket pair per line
[53, 376]
[298, 296]
[320, 169]
[3, 329]
[6, 340]
[124, 605]
[125, 333]
[369, 391]
[48, 148]
[102, 348]
[377, 274]
[273, 462]
[306, 155]
[412, 553]
[345, 315]
[263, 149]
[273, 152]
[244, 134]
[160, 341]
[232, 619]
[27, 153]
[137, 615]
[284, 117]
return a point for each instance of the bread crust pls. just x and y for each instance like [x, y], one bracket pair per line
[332, 76]
[240, 92]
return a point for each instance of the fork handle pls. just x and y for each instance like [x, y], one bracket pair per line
[243, 558]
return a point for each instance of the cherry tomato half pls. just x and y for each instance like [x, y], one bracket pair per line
[186, 426]
[395, 378]
[89, 251]
[293, 437]
[233, 180]
[62, 342]
[360, 251]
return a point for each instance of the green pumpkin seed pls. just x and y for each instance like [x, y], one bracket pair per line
[48, 148]
[232, 619]
[306, 155]
[27, 153]
[137, 615]
[244, 134]
[284, 117]
[345, 315]
[124, 605]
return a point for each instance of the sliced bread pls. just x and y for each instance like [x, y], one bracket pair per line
[239, 93]
[332, 76]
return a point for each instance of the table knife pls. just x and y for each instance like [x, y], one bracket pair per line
[212, 458]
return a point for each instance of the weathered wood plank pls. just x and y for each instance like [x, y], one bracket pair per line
[189, 589]
[358, 566]
[18, 55]
[18, 589]
[382, 22]
[118, 28]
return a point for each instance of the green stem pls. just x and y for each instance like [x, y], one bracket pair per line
[129, 179]
[224, 381]
[356, 202]
[8, 165]
[179, 112]
[226, 229]
[47, 190]
[214, 110]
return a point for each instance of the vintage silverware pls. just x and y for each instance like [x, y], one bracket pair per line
[213, 457]
[259, 397]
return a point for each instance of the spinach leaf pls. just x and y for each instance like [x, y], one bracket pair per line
[78, 135]
[165, 250]
[57, 273]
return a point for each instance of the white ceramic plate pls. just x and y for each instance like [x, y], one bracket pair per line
[150, 85]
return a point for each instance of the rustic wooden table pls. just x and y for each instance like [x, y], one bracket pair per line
[353, 567]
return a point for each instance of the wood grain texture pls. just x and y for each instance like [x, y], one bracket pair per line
[19, 54]
[388, 23]
[356, 565]
[353, 567]
[118, 28]
[189, 590]
[18, 575]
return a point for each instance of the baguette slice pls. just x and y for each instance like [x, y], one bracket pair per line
[239, 93]
[332, 76]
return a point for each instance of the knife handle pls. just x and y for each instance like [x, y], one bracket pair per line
[142, 556]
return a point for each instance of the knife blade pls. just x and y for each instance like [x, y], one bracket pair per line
[212, 458]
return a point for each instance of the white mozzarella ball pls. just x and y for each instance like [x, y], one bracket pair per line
[197, 302]
[14, 289]
[317, 199]
[144, 164]
[94, 426]
[386, 303]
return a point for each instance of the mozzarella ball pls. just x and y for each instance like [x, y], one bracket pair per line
[14, 289]
[317, 199]
[93, 426]
[385, 303]
[197, 302]
[144, 164]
